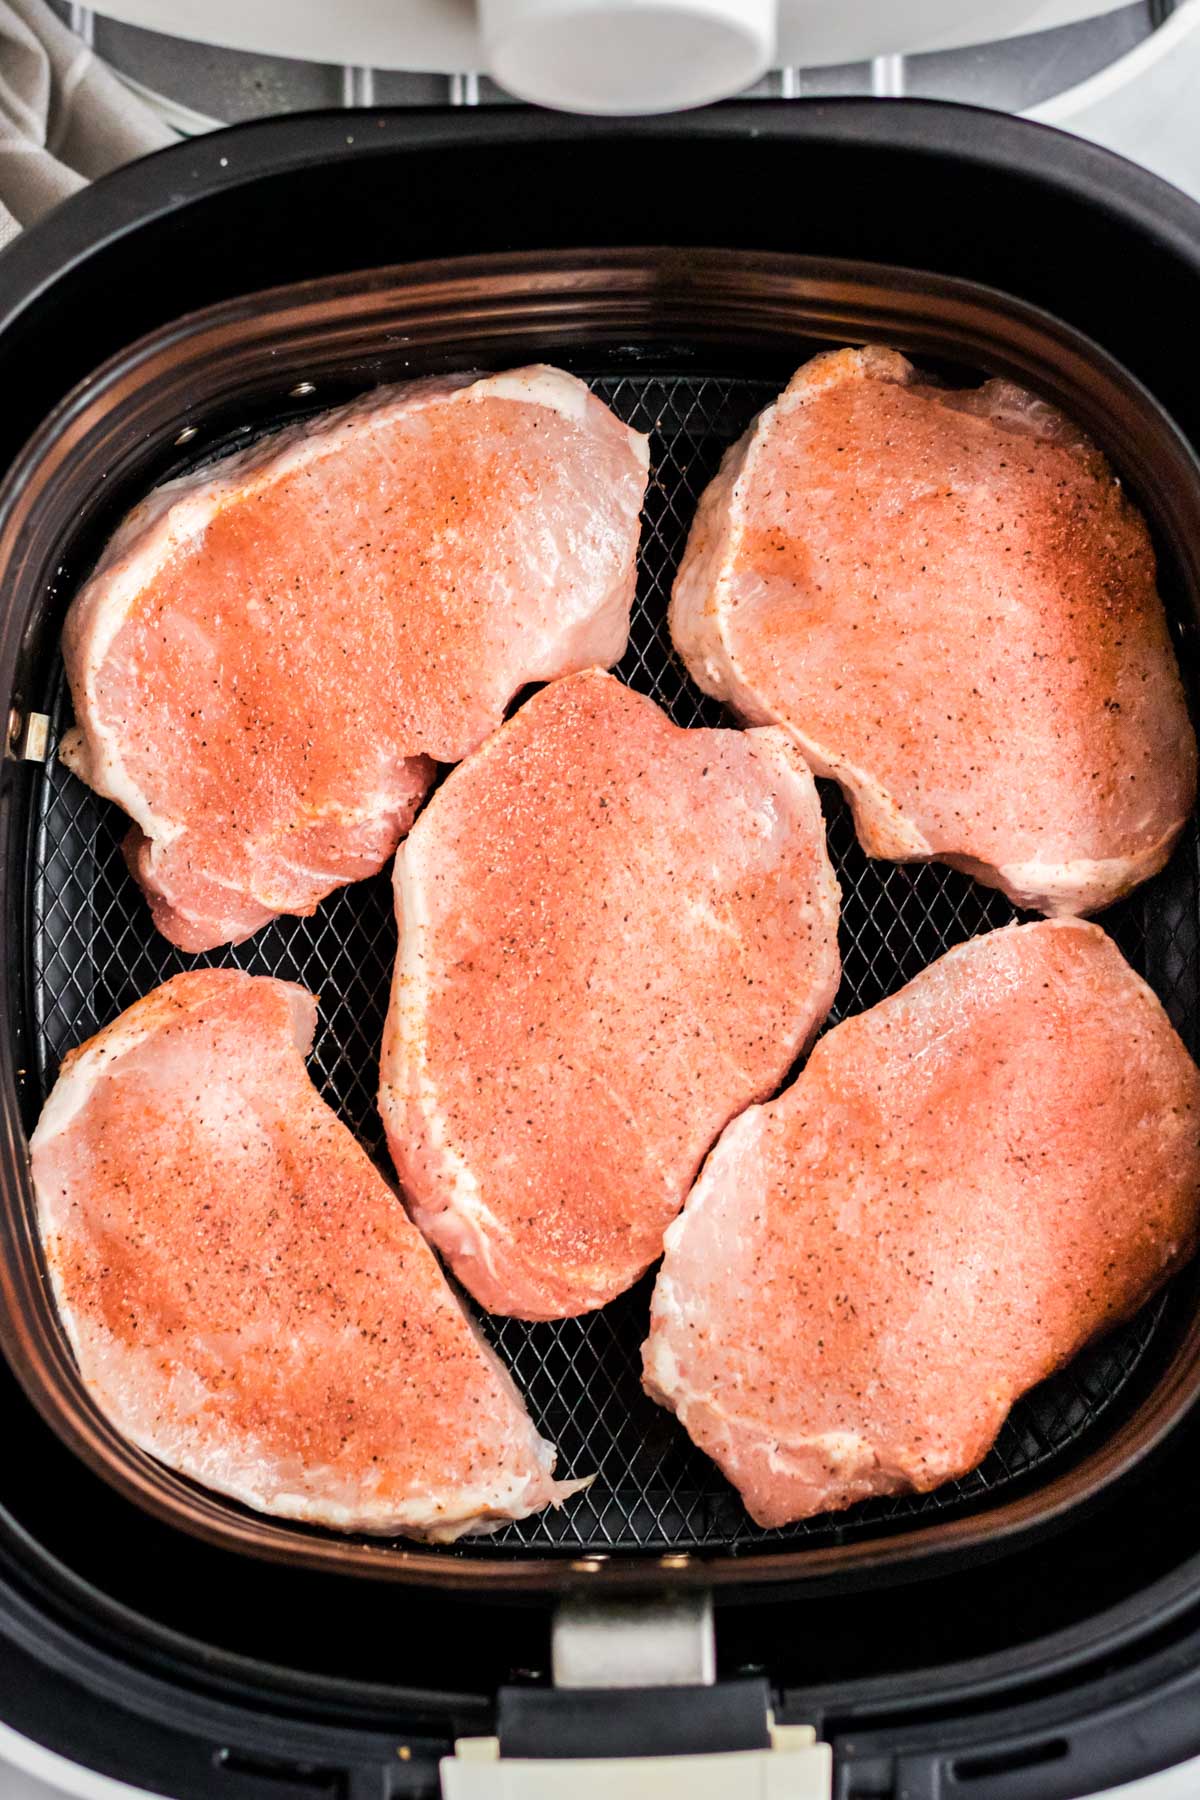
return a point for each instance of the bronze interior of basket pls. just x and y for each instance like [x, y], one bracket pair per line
[93, 952]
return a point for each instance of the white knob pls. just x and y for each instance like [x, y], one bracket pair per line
[627, 56]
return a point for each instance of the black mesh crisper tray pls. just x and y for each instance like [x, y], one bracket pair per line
[95, 952]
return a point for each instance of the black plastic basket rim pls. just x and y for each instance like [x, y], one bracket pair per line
[697, 308]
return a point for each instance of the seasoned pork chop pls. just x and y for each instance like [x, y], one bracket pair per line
[614, 935]
[274, 652]
[965, 1185]
[246, 1298]
[948, 601]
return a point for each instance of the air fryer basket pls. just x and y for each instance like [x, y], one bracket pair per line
[687, 347]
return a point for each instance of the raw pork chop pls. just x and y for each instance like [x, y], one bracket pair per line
[245, 1296]
[273, 650]
[966, 1184]
[950, 604]
[614, 935]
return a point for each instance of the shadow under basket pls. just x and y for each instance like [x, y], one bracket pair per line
[687, 347]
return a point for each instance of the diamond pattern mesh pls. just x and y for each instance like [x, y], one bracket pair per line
[95, 952]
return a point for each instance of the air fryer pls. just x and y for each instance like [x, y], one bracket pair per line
[1034, 1629]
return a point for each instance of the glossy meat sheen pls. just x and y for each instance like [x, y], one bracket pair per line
[245, 1296]
[965, 1185]
[949, 602]
[273, 650]
[614, 935]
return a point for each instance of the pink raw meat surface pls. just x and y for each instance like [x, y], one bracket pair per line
[246, 1297]
[966, 1184]
[949, 602]
[274, 652]
[614, 935]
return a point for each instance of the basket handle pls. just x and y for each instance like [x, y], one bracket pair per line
[636, 1710]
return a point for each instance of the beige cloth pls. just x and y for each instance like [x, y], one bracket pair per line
[64, 116]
